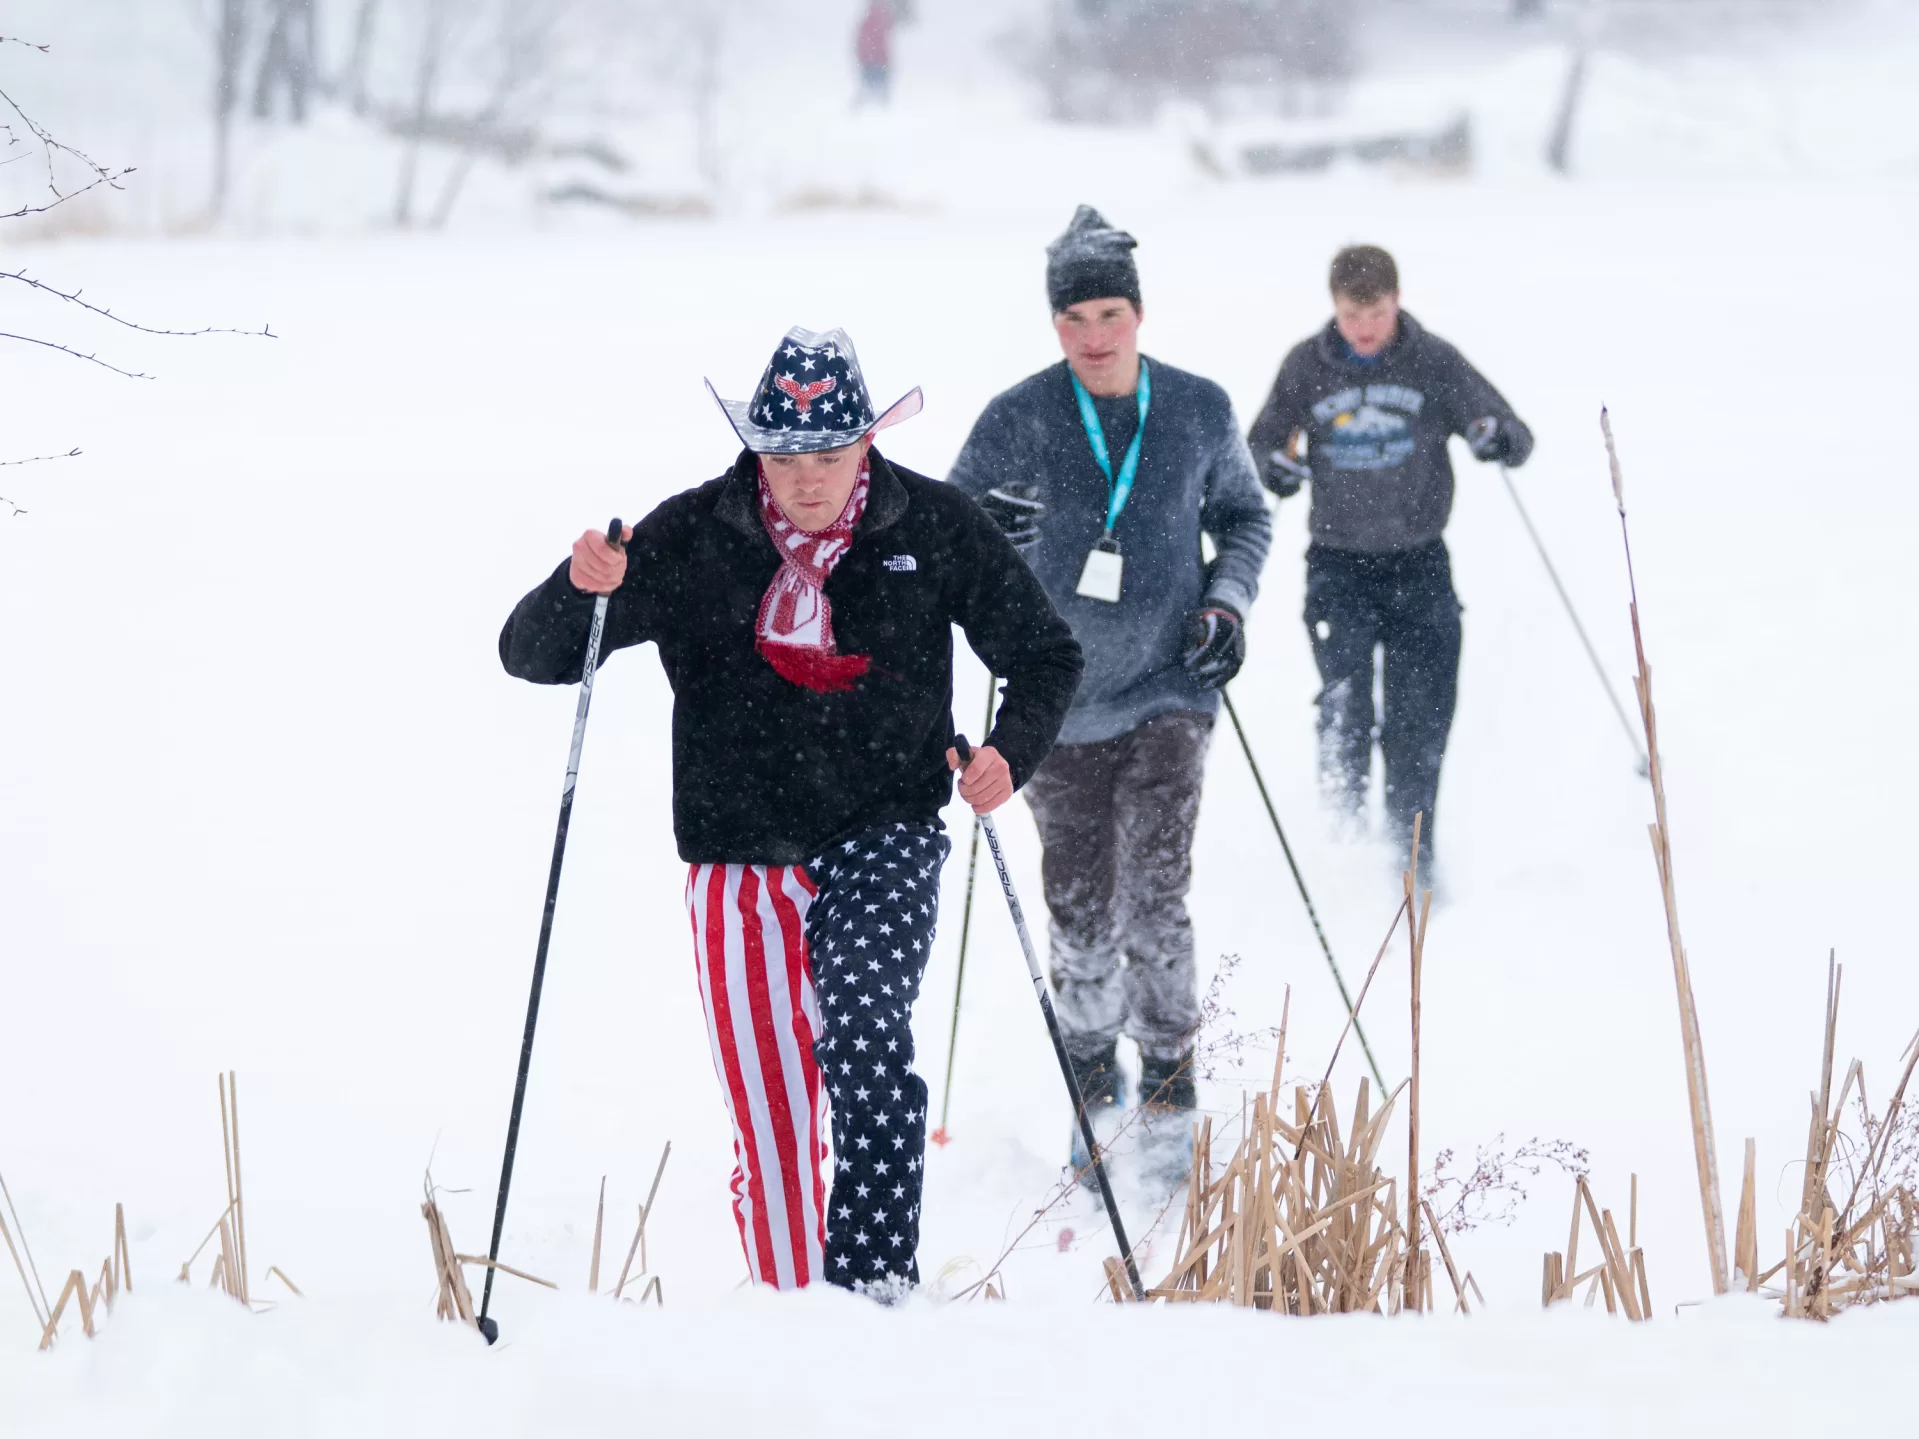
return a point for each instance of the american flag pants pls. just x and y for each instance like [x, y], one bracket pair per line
[808, 976]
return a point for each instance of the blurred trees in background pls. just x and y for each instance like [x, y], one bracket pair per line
[473, 78]
[1121, 59]
[317, 114]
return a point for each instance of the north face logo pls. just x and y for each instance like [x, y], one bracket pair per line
[901, 564]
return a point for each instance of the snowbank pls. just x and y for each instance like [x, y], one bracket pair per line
[823, 1364]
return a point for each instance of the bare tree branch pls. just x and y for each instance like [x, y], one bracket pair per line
[61, 197]
[73, 298]
[30, 44]
[51, 149]
[77, 354]
[13, 509]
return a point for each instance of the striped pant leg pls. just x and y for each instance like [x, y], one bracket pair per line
[762, 1020]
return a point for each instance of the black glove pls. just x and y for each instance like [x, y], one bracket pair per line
[1017, 510]
[1217, 647]
[1487, 440]
[1284, 474]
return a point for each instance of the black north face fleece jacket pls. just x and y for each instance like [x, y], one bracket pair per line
[768, 772]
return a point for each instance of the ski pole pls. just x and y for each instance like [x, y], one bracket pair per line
[1300, 880]
[1052, 1027]
[1639, 751]
[489, 1327]
[940, 1136]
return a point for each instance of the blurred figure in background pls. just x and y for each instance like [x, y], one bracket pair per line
[1364, 410]
[873, 48]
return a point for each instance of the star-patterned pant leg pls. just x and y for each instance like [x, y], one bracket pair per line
[870, 933]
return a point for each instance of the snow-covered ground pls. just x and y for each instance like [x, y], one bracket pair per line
[267, 802]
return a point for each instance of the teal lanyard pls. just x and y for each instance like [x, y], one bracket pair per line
[1119, 490]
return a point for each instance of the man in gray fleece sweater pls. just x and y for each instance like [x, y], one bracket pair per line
[1105, 470]
[1363, 411]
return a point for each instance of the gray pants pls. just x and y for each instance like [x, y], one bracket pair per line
[1116, 820]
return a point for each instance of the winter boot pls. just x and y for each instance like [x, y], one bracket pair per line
[1100, 1082]
[1103, 1087]
[1167, 1083]
[1167, 1100]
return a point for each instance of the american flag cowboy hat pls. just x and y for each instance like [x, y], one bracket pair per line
[812, 397]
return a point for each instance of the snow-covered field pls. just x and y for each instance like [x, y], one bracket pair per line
[267, 802]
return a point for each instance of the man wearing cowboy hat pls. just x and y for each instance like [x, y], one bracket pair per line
[803, 605]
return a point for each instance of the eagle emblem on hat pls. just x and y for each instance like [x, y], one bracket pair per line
[804, 395]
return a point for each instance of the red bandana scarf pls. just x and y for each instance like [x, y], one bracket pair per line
[795, 626]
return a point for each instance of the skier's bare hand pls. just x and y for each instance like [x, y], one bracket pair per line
[986, 783]
[597, 567]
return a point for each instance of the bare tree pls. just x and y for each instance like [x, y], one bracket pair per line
[522, 53]
[708, 22]
[455, 82]
[429, 64]
[353, 82]
[289, 60]
[229, 53]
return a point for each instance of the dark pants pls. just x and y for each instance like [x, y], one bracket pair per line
[876, 83]
[1402, 604]
[1116, 819]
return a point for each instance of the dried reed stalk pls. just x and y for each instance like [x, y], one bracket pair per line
[76, 1288]
[1745, 1244]
[36, 1292]
[599, 1228]
[452, 1301]
[116, 1277]
[486, 1263]
[1445, 1254]
[638, 1246]
[39, 1314]
[1704, 1150]
[233, 1238]
[1419, 915]
[230, 1268]
[1301, 1220]
[275, 1270]
[1620, 1275]
[1860, 1250]
[122, 1255]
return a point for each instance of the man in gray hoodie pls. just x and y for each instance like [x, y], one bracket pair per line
[1105, 470]
[1363, 411]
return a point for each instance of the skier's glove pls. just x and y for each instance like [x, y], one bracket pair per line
[1017, 510]
[1284, 474]
[1487, 440]
[1216, 647]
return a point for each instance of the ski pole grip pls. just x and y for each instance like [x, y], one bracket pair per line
[614, 533]
[965, 750]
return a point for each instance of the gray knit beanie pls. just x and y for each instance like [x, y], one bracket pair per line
[1091, 261]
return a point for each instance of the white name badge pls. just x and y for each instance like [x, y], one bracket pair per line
[1101, 577]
